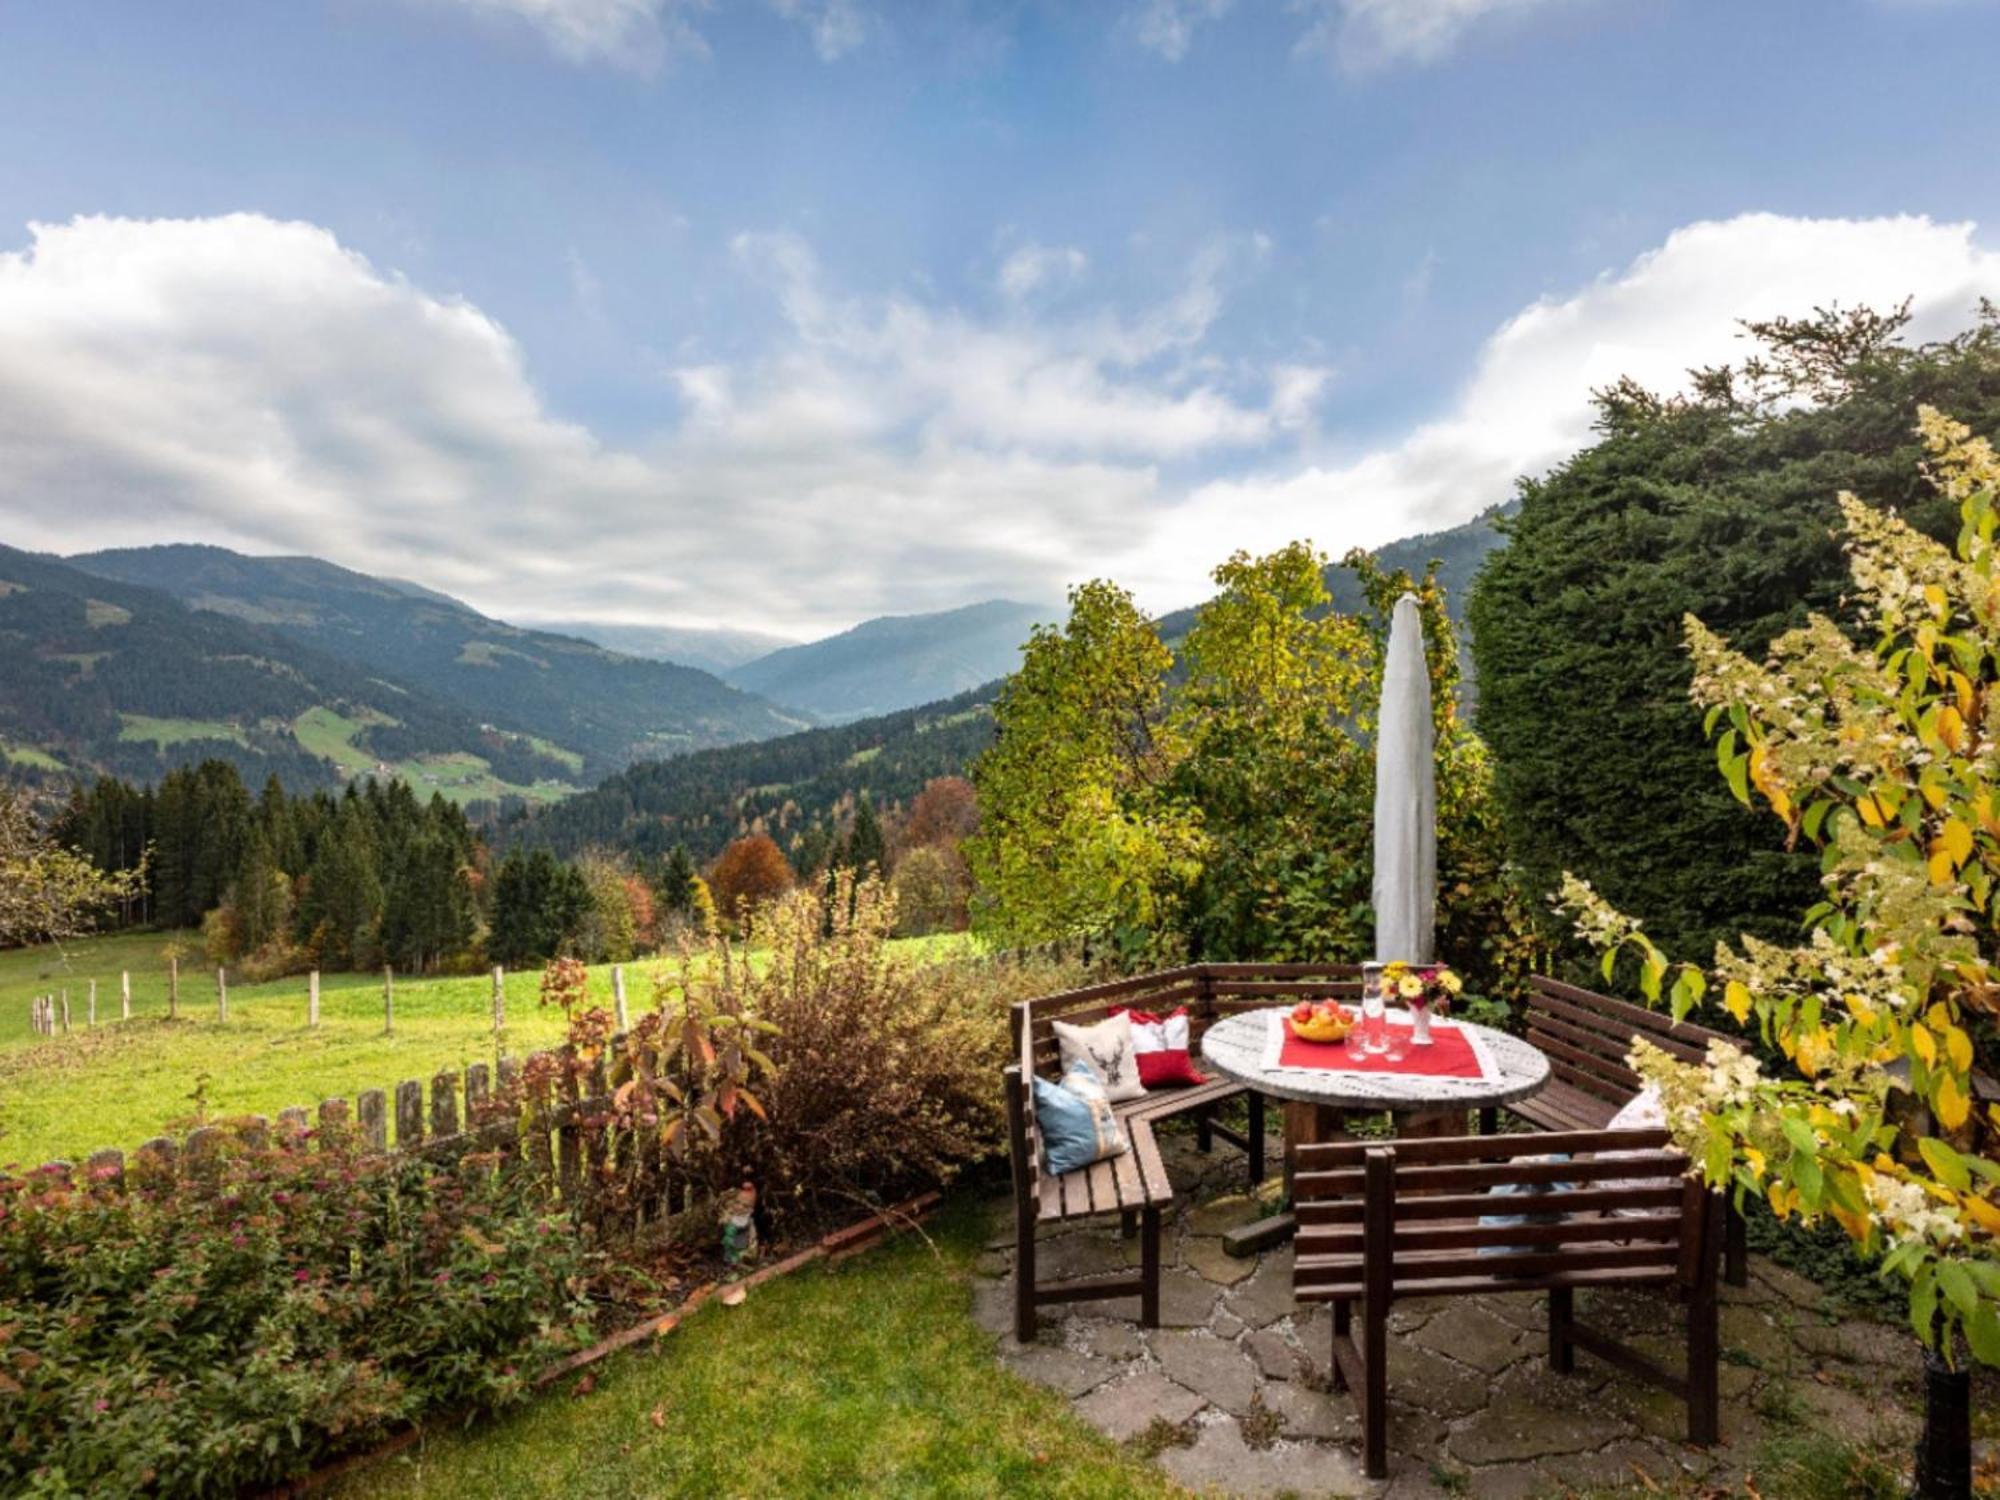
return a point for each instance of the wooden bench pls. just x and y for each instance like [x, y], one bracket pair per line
[1383, 1221]
[1587, 1036]
[1134, 1186]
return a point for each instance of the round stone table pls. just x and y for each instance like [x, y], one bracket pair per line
[1317, 1103]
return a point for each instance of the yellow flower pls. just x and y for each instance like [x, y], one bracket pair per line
[1409, 986]
[1451, 982]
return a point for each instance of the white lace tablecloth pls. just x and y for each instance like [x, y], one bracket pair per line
[1238, 1048]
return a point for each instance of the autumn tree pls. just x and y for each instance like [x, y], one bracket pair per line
[945, 813]
[1079, 833]
[750, 872]
[48, 894]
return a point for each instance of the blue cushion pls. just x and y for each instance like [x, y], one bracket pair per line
[1507, 1190]
[1076, 1121]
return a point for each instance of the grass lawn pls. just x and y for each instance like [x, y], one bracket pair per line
[122, 1082]
[867, 1378]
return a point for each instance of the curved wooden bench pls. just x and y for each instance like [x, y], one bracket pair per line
[1586, 1036]
[1134, 1186]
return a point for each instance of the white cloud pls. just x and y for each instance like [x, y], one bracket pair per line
[1526, 405]
[837, 27]
[1032, 267]
[255, 383]
[1368, 34]
[641, 36]
[637, 35]
[1168, 26]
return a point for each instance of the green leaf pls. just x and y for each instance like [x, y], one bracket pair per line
[1947, 1165]
[1923, 1305]
[1982, 1332]
[1800, 1134]
[1956, 1284]
[1806, 1177]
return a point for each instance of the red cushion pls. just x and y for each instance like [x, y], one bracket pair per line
[1161, 1045]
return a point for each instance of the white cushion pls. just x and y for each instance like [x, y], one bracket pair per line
[1106, 1049]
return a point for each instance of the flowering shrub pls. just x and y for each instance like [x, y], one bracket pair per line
[1889, 761]
[882, 1068]
[270, 1305]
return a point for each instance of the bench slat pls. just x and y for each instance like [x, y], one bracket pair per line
[1350, 1291]
[1664, 1194]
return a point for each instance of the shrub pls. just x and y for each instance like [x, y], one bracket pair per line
[1721, 506]
[887, 1068]
[265, 1308]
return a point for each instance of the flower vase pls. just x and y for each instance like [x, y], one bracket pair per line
[1420, 1025]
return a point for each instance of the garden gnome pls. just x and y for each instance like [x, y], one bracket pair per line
[739, 1225]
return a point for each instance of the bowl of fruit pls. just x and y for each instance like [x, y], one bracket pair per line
[1320, 1021]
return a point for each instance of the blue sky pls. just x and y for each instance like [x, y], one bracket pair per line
[781, 313]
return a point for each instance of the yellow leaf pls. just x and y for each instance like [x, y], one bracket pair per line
[1870, 813]
[1982, 1213]
[1855, 1224]
[1736, 999]
[1957, 840]
[1941, 868]
[1934, 794]
[1935, 597]
[1923, 1044]
[1952, 1107]
[1958, 1047]
[1754, 1159]
[1951, 728]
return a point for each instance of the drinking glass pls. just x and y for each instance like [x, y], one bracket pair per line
[1374, 1016]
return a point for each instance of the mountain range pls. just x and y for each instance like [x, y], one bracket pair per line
[138, 659]
[897, 661]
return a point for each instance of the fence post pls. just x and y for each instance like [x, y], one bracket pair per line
[173, 989]
[312, 999]
[373, 1110]
[221, 995]
[499, 997]
[65, 1012]
[90, 1016]
[409, 1114]
[444, 1103]
[618, 996]
[125, 994]
[388, 1000]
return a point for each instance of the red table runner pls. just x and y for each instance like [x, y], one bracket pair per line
[1450, 1054]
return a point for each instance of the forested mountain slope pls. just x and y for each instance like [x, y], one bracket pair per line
[98, 675]
[703, 800]
[595, 709]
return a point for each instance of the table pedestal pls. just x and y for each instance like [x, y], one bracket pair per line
[1314, 1124]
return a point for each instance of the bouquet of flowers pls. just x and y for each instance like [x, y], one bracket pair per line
[1423, 989]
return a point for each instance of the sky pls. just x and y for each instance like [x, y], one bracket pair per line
[782, 314]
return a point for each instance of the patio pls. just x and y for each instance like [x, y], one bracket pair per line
[1230, 1392]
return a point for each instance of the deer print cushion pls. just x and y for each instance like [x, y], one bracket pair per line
[1107, 1050]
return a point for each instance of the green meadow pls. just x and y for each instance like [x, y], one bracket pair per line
[121, 1082]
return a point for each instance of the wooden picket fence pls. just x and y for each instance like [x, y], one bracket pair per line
[565, 1139]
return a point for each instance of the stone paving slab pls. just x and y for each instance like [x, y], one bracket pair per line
[1240, 1369]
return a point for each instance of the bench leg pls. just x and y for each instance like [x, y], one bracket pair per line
[1704, 1347]
[1735, 1252]
[1489, 1121]
[1024, 1283]
[1149, 1268]
[1204, 1138]
[1128, 1224]
[1256, 1137]
[1375, 1392]
[1562, 1312]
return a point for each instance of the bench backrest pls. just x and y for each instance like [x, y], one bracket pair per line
[1402, 1218]
[1586, 1036]
[1209, 991]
